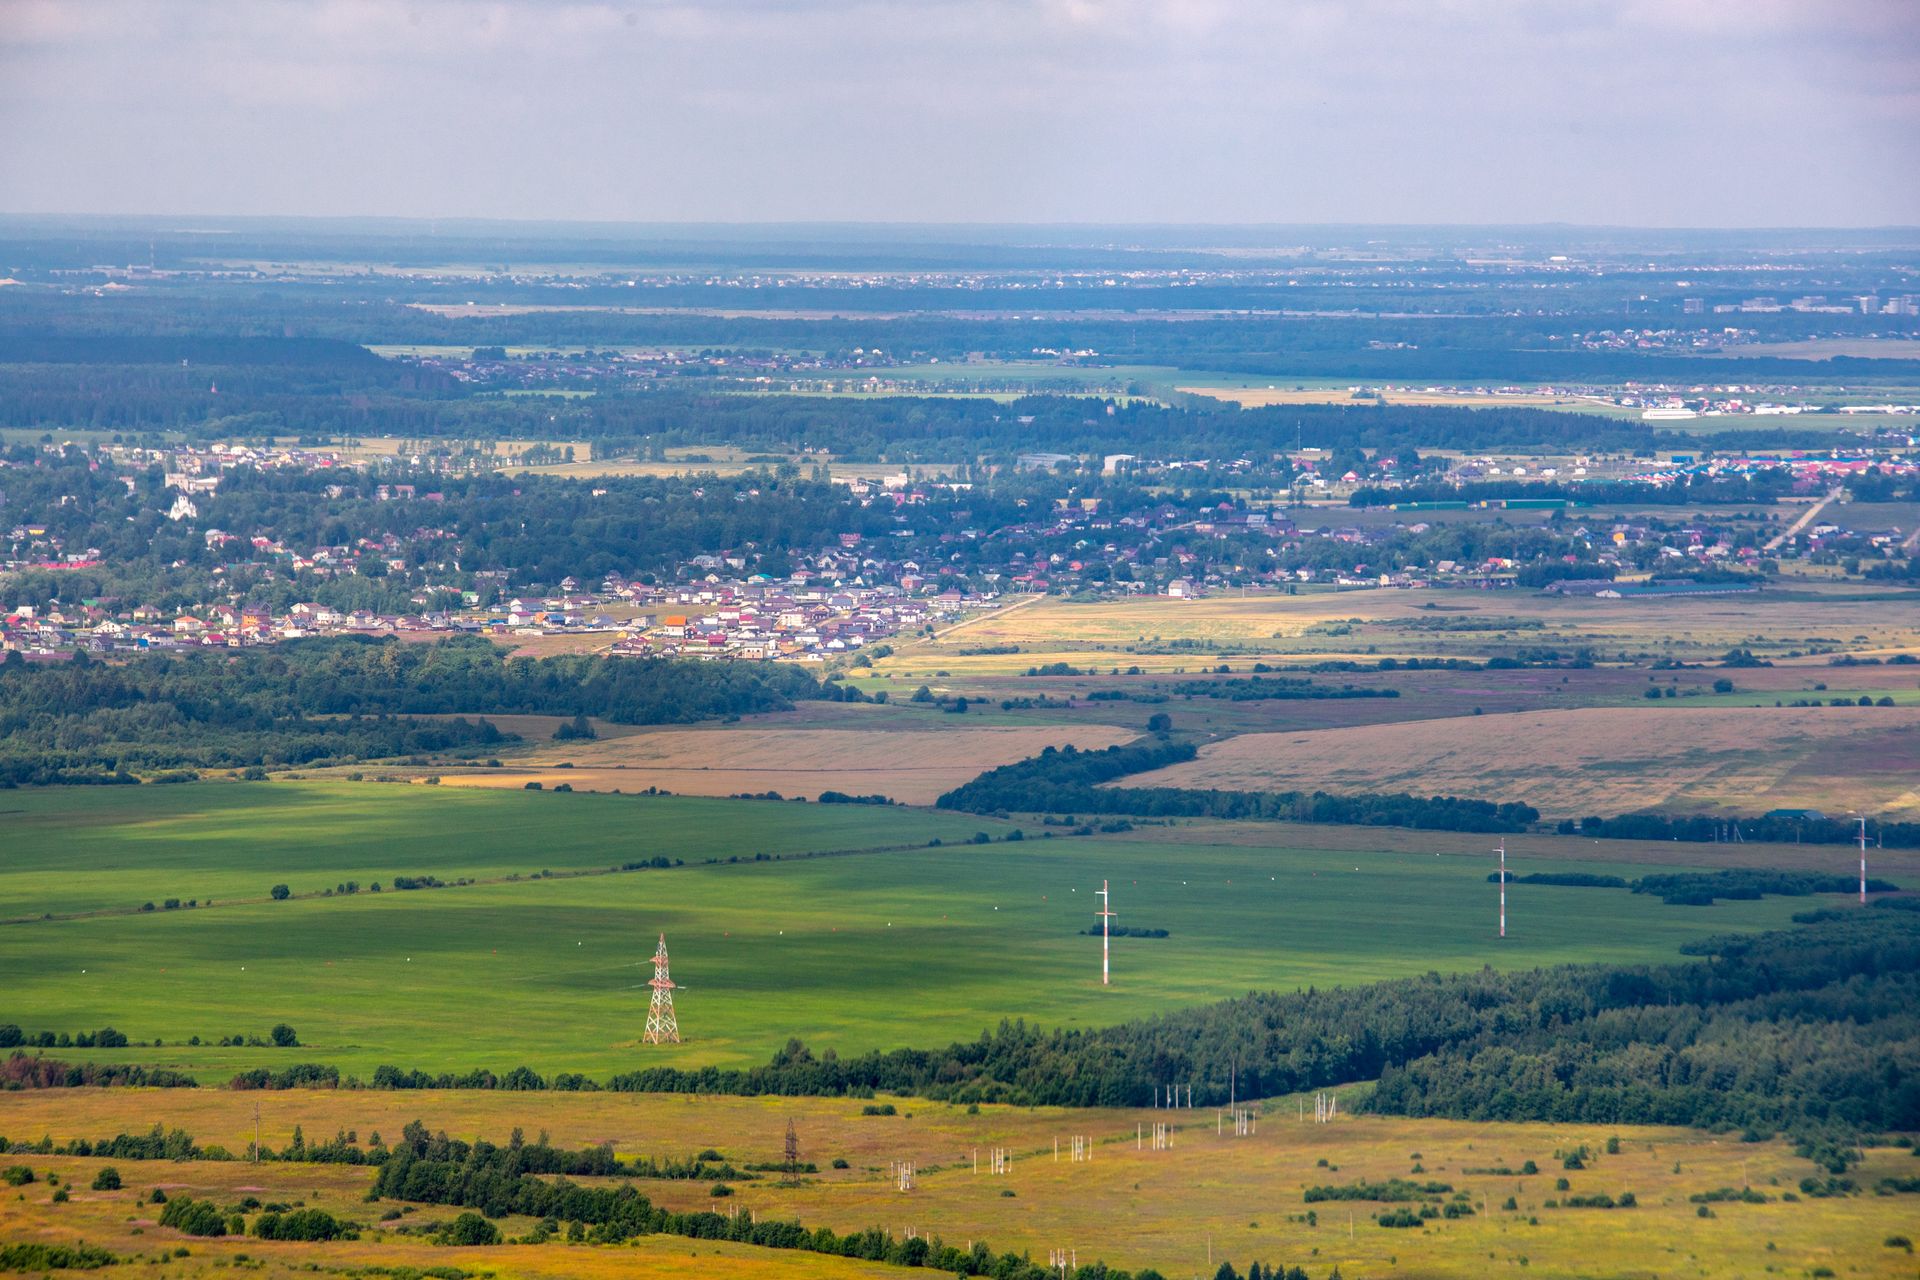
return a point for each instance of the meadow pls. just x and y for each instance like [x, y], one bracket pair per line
[1211, 1197]
[910, 945]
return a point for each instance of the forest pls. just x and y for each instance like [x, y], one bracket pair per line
[340, 700]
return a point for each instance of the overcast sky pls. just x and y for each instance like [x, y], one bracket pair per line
[1656, 112]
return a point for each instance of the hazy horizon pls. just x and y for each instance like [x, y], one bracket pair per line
[1655, 114]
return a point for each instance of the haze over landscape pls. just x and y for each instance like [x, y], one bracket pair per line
[1775, 113]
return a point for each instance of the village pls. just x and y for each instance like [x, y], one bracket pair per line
[859, 592]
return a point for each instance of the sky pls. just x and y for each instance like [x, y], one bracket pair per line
[1668, 113]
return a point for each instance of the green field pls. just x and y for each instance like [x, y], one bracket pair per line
[872, 950]
[84, 849]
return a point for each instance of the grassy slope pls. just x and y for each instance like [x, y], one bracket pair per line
[1239, 1197]
[859, 952]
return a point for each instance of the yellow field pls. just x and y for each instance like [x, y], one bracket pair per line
[911, 765]
[1261, 397]
[1595, 760]
[1211, 1197]
[1383, 623]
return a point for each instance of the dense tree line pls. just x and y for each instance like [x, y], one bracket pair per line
[1274, 689]
[341, 699]
[1703, 888]
[21, 1070]
[1701, 828]
[1066, 780]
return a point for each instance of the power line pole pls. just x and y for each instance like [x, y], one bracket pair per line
[1106, 916]
[1503, 888]
[1863, 861]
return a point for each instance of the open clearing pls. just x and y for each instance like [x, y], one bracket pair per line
[913, 946]
[1602, 760]
[913, 766]
[1209, 1196]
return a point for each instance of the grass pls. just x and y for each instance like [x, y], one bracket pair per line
[875, 951]
[112, 849]
[1208, 1197]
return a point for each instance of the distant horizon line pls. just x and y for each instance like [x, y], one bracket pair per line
[481, 220]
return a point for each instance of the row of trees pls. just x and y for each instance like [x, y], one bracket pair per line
[1066, 780]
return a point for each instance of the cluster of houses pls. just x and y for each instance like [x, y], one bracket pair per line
[717, 618]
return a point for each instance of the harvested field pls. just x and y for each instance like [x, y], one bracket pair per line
[913, 766]
[1160, 633]
[1596, 760]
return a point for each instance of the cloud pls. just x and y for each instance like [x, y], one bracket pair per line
[1650, 111]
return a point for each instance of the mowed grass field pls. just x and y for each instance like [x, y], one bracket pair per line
[1211, 1197]
[913, 946]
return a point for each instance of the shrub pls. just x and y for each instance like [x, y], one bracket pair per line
[303, 1224]
[108, 1179]
[468, 1229]
[280, 893]
[193, 1217]
[283, 1036]
[54, 1257]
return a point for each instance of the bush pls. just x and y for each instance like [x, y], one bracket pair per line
[193, 1217]
[280, 893]
[17, 1175]
[108, 1179]
[468, 1229]
[283, 1036]
[54, 1257]
[303, 1224]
